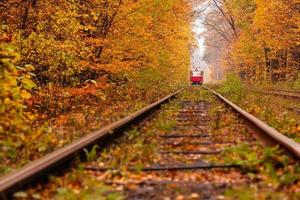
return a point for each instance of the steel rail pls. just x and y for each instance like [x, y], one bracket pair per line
[288, 91]
[294, 95]
[32, 171]
[262, 131]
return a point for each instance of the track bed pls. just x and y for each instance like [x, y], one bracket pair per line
[195, 147]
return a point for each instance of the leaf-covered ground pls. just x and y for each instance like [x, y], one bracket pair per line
[74, 66]
[266, 173]
[279, 112]
[19, 149]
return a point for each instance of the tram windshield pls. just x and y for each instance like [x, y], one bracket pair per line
[196, 73]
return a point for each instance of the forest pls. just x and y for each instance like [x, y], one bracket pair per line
[68, 62]
[258, 39]
[71, 62]
[116, 78]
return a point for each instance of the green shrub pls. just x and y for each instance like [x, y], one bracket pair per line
[233, 87]
[15, 86]
[296, 84]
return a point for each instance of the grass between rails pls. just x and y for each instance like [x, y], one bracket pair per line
[272, 174]
[135, 149]
[267, 174]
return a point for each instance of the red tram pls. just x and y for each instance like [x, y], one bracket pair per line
[196, 77]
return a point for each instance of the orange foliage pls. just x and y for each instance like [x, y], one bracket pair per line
[267, 43]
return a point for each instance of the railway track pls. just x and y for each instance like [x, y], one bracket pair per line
[294, 94]
[189, 146]
[288, 94]
[290, 91]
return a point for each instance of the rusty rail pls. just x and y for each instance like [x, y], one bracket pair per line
[262, 131]
[288, 91]
[282, 93]
[34, 170]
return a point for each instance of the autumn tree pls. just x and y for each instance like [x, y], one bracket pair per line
[82, 48]
[265, 45]
[15, 87]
